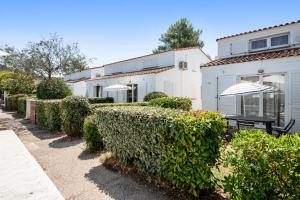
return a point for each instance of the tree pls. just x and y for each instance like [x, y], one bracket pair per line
[55, 88]
[16, 82]
[180, 35]
[46, 58]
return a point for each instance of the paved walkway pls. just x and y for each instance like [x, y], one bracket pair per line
[77, 175]
[21, 177]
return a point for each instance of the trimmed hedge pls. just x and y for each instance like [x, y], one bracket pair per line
[73, 111]
[12, 101]
[166, 142]
[263, 167]
[95, 100]
[55, 88]
[48, 114]
[91, 136]
[94, 106]
[154, 95]
[172, 102]
[22, 105]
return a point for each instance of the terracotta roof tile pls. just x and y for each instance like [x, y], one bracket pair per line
[261, 29]
[255, 57]
[150, 70]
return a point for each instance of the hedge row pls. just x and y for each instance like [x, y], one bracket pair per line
[22, 105]
[94, 106]
[263, 166]
[154, 95]
[91, 136]
[94, 100]
[172, 102]
[48, 114]
[74, 109]
[166, 142]
[11, 102]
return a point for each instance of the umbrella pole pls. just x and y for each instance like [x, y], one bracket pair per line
[132, 91]
[244, 106]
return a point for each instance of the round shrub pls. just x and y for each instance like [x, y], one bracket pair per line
[73, 111]
[263, 166]
[55, 88]
[154, 95]
[182, 103]
[91, 136]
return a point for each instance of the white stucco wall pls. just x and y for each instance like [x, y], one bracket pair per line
[78, 75]
[289, 66]
[239, 45]
[78, 88]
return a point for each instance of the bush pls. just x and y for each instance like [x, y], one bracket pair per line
[12, 101]
[164, 142]
[263, 167]
[55, 88]
[73, 111]
[94, 100]
[94, 106]
[48, 114]
[91, 136]
[154, 95]
[172, 102]
[22, 105]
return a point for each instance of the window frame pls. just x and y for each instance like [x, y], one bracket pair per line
[282, 45]
[258, 39]
[269, 45]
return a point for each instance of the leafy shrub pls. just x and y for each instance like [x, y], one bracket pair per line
[55, 88]
[12, 101]
[73, 111]
[22, 105]
[172, 102]
[166, 142]
[91, 136]
[95, 100]
[154, 95]
[94, 106]
[263, 167]
[48, 114]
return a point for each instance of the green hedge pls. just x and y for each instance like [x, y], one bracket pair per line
[22, 105]
[166, 142]
[263, 167]
[94, 106]
[12, 101]
[48, 114]
[172, 102]
[154, 95]
[94, 100]
[55, 88]
[91, 136]
[74, 109]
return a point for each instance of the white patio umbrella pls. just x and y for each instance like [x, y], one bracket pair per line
[3, 53]
[117, 88]
[245, 88]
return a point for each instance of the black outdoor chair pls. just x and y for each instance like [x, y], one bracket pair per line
[286, 129]
[246, 124]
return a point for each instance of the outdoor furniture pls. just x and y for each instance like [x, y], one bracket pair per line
[267, 121]
[245, 123]
[285, 129]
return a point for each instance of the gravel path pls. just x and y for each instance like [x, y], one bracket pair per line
[77, 175]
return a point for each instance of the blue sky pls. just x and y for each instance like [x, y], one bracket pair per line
[112, 30]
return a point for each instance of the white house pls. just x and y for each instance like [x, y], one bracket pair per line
[270, 56]
[174, 72]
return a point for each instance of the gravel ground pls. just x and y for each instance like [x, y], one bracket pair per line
[76, 174]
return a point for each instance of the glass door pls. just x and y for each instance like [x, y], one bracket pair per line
[250, 104]
[135, 93]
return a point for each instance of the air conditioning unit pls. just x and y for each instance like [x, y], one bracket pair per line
[183, 65]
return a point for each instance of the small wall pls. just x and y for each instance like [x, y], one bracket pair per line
[30, 110]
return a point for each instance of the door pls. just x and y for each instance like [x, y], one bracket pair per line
[135, 93]
[226, 104]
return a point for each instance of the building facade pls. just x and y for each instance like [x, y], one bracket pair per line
[270, 56]
[174, 72]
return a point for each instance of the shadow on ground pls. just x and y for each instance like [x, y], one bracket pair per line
[119, 186]
[64, 142]
[86, 155]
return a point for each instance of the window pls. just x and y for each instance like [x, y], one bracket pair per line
[269, 104]
[99, 91]
[259, 44]
[279, 40]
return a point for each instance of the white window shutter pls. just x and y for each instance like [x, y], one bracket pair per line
[295, 98]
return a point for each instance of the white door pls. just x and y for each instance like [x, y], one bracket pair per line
[226, 104]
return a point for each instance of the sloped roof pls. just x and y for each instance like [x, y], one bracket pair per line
[261, 29]
[255, 57]
[150, 70]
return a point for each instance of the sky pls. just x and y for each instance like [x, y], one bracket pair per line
[112, 30]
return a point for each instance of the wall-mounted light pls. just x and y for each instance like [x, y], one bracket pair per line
[260, 71]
